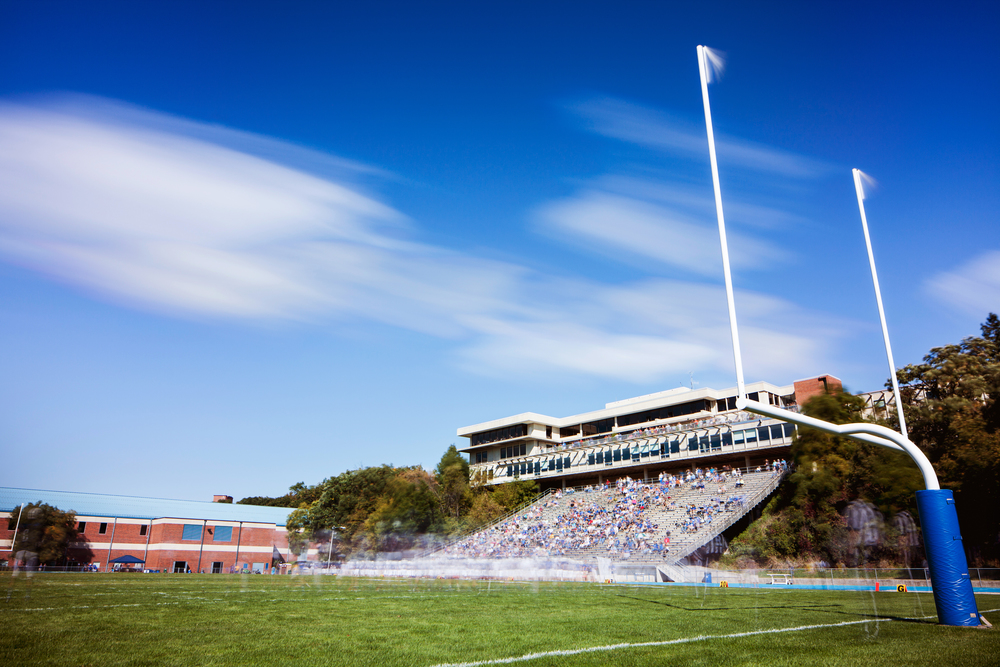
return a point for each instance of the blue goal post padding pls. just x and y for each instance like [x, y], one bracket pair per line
[953, 596]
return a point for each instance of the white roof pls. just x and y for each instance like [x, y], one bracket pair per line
[624, 407]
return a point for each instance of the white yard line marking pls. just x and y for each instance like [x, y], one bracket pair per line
[185, 599]
[95, 606]
[684, 640]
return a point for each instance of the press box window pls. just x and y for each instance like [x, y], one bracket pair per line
[515, 450]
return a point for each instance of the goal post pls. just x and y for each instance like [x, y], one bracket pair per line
[949, 570]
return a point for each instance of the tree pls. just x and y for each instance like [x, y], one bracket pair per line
[450, 458]
[953, 415]
[452, 475]
[45, 530]
[512, 495]
[805, 520]
[408, 509]
[485, 510]
[298, 493]
[342, 503]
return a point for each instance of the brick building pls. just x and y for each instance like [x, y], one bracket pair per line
[174, 535]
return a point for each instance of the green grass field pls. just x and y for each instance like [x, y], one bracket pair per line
[129, 619]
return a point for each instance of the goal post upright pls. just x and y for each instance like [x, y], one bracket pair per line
[705, 72]
[954, 598]
[860, 191]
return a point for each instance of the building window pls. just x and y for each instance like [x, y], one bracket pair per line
[600, 426]
[82, 527]
[192, 532]
[103, 529]
[515, 450]
[222, 534]
[665, 413]
[509, 433]
[548, 432]
[142, 529]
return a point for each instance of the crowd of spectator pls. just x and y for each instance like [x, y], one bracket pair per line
[613, 519]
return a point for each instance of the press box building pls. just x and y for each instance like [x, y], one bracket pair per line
[640, 437]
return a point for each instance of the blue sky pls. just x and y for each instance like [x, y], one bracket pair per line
[245, 245]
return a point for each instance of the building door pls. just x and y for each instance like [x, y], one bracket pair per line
[217, 567]
[180, 566]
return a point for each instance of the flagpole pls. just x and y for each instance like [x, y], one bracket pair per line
[859, 190]
[737, 357]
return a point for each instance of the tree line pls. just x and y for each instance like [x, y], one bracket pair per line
[952, 415]
[386, 508]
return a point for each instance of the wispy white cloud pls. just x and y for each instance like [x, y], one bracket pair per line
[657, 130]
[166, 220]
[613, 224]
[155, 213]
[973, 287]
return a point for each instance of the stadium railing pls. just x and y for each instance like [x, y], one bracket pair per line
[717, 528]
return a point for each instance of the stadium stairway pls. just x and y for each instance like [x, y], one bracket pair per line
[757, 488]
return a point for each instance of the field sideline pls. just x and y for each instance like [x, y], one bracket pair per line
[129, 619]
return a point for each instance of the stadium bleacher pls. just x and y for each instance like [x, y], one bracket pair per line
[656, 522]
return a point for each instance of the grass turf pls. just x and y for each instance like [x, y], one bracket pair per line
[129, 619]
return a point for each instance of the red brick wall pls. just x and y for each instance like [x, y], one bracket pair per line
[824, 384]
[165, 543]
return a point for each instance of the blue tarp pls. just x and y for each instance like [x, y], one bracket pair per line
[126, 559]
